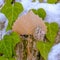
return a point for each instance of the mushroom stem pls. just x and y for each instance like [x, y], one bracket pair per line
[29, 45]
[26, 49]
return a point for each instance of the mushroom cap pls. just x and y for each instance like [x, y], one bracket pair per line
[26, 24]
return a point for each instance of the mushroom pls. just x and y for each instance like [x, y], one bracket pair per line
[31, 25]
[27, 24]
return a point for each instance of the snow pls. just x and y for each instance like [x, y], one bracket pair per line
[3, 19]
[55, 53]
[1, 3]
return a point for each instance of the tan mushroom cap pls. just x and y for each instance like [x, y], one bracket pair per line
[26, 24]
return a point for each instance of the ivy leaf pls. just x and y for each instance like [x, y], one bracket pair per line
[12, 11]
[52, 30]
[34, 10]
[4, 58]
[8, 44]
[40, 12]
[51, 34]
[8, 1]
[52, 1]
[44, 49]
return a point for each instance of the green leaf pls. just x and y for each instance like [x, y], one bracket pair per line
[40, 12]
[8, 44]
[34, 10]
[52, 1]
[12, 12]
[4, 58]
[52, 30]
[44, 47]
[12, 59]
[8, 1]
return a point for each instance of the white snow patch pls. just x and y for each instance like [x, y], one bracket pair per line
[3, 19]
[54, 53]
[1, 3]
